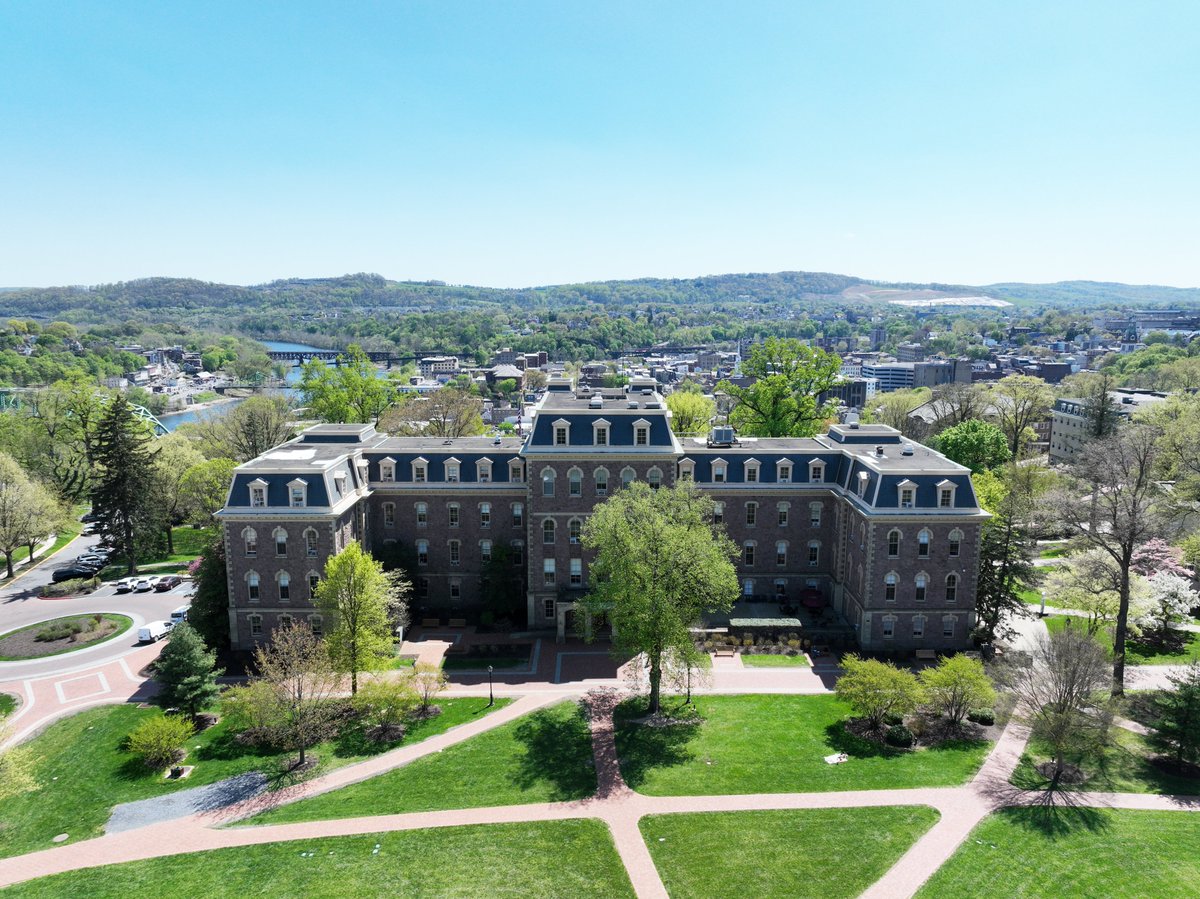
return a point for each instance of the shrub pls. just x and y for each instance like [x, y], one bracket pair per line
[891, 719]
[159, 740]
[384, 704]
[957, 685]
[986, 717]
[876, 689]
[900, 736]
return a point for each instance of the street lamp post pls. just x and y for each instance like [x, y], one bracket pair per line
[491, 696]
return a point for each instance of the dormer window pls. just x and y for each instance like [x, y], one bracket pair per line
[600, 432]
[483, 471]
[339, 483]
[387, 470]
[641, 432]
[908, 494]
[719, 471]
[515, 472]
[562, 432]
[816, 472]
[751, 471]
[420, 469]
[946, 491]
[687, 470]
[258, 494]
[783, 471]
[452, 467]
[298, 492]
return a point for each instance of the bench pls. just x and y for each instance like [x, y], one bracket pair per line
[431, 622]
[927, 655]
[457, 622]
[724, 653]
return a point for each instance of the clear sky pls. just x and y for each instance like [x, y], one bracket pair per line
[518, 143]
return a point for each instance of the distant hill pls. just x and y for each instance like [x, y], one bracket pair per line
[1099, 293]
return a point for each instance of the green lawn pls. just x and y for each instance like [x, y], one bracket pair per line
[189, 542]
[566, 859]
[1053, 552]
[542, 757]
[82, 771]
[783, 854]
[775, 744]
[1074, 853]
[1184, 648]
[8, 702]
[757, 661]
[122, 622]
[1123, 768]
[65, 535]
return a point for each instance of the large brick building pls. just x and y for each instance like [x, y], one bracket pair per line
[887, 530]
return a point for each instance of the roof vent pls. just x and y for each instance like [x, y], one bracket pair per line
[879, 452]
[908, 450]
[447, 443]
[647, 392]
[632, 405]
[596, 402]
[853, 426]
[496, 442]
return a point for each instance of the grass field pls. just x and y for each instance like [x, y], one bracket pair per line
[781, 854]
[82, 771]
[564, 859]
[1124, 767]
[775, 744]
[1184, 648]
[1074, 853]
[8, 702]
[542, 757]
[757, 661]
[189, 544]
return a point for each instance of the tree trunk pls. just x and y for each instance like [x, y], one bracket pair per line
[8, 562]
[655, 683]
[32, 547]
[1119, 632]
[170, 541]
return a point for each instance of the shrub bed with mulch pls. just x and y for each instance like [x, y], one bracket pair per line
[50, 638]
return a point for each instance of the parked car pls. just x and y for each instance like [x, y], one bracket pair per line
[153, 631]
[89, 516]
[125, 584]
[71, 572]
[167, 582]
[142, 585]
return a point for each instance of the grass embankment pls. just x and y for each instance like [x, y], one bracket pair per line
[1073, 853]
[776, 744]
[82, 770]
[545, 756]
[1125, 767]
[781, 854]
[547, 858]
[190, 543]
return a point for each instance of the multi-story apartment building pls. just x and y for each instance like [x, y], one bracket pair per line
[1072, 422]
[886, 530]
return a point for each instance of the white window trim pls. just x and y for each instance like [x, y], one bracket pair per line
[483, 471]
[387, 470]
[598, 425]
[946, 485]
[721, 464]
[303, 485]
[752, 465]
[816, 471]
[258, 483]
[420, 463]
[906, 484]
[555, 426]
[453, 470]
[637, 425]
[780, 465]
[687, 469]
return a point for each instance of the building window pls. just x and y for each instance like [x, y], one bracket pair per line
[285, 586]
[314, 581]
[316, 624]
[601, 476]
[485, 515]
[781, 553]
[548, 609]
[485, 550]
[687, 470]
[918, 625]
[548, 572]
[518, 553]
[452, 470]
[422, 514]
[893, 544]
[923, 544]
[782, 510]
[863, 479]
[948, 623]
[814, 553]
[422, 552]
[387, 470]
[908, 493]
[641, 436]
[921, 581]
[298, 493]
[285, 621]
[252, 586]
[814, 514]
[310, 542]
[748, 587]
[518, 515]
[483, 471]
[452, 512]
[751, 470]
[548, 531]
[547, 482]
[561, 434]
[955, 542]
[945, 498]
[719, 472]
[420, 471]
[389, 515]
[575, 482]
[601, 436]
[748, 553]
[780, 589]
[280, 542]
[255, 625]
[751, 513]
[455, 589]
[785, 474]
[577, 572]
[575, 530]
[951, 588]
[258, 496]
[654, 477]
[816, 472]
[251, 537]
[514, 473]
[455, 552]
[889, 588]
[628, 475]
[889, 626]
[718, 513]
[423, 586]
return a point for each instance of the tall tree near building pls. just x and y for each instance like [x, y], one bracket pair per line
[45, 516]
[782, 401]
[1006, 550]
[365, 605]
[203, 489]
[349, 392]
[123, 497]
[174, 456]
[449, 412]
[186, 672]
[975, 444]
[209, 613]
[302, 684]
[246, 432]
[660, 564]
[1113, 505]
[1100, 413]
[1020, 402]
[691, 413]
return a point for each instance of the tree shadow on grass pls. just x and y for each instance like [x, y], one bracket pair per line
[643, 747]
[1058, 816]
[558, 752]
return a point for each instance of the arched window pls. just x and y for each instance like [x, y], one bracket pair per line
[548, 530]
[285, 621]
[252, 586]
[951, 588]
[485, 515]
[251, 537]
[389, 515]
[422, 552]
[317, 623]
[547, 482]
[781, 552]
[313, 580]
[280, 542]
[575, 530]
[455, 552]
[485, 550]
[575, 482]
[310, 542]
[889, 586]
[921, 582]
[518, 515]
[889, 626]
[654, 477]
[955, 541]
[452, 511]
[628, 476]
[718, 513]
[893, 544]
[923, 544]
[751, 513]
[814, 514]
[285, 586]
[918, 625]
[601, 476]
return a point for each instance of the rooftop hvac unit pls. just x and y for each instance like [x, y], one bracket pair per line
[722, 436]
[633, 405]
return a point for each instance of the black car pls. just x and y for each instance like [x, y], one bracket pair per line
[72, 572]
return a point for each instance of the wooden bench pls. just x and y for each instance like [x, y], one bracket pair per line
[724, 653]
[458, 622]
[927, 655]
[431, 622]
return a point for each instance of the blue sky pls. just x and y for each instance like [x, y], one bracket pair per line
[523, 143]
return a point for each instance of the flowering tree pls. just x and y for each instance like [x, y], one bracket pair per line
[1169, 597]
[1157, 555]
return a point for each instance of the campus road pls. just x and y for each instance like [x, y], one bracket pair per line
[21, 605]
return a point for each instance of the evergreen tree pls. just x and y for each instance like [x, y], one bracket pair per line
[209, 614]
[1178, 727]
[123, 497]
[187, 672]
[1006, 550]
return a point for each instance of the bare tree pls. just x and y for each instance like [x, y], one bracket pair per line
[1113, 505]
[303, 683]
[245, 433]
[449, 412]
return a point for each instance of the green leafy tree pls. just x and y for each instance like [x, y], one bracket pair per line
[18, 504]
[385, 704]
[186, 672]
[660, 564]
[123, 497]
[691, 413]
[877, 689]
[1020, 401]
[956, 686]
[1177, 726]
[300, 710]
[428, 681]
[159, 740]
[174, 455]
[1006, 550]
[209, 612]
[448, 412]
[245, 432]
[782, 401]
[366, 605]
[203, 489]
[350, 391]
[976, 444]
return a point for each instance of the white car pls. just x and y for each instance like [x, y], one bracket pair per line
[125, 584]
[142, 585]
